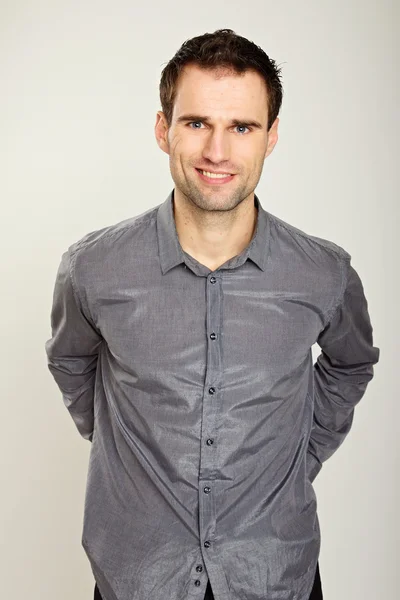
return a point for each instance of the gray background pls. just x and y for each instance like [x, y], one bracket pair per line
[79, 96]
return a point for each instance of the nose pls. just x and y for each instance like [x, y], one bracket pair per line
[216, 148]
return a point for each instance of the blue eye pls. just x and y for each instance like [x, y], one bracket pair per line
[237, 126]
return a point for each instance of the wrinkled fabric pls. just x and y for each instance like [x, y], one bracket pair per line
[208, 419]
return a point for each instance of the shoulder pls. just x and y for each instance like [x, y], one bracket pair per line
[326, 249]
[116, 234]
[312, 264]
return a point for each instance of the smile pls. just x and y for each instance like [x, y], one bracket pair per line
[214, 178]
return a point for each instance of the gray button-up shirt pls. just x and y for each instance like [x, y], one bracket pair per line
[207, 417]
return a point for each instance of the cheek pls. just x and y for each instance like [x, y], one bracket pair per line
[256, 157]
[180, 151]
[175, 146]
[185, 153]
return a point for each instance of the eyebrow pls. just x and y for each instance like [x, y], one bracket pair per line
[234, 122]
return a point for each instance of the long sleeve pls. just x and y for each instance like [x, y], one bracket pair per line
[72, 351]
[341, 372]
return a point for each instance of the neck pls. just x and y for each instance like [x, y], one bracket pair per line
[213, 237]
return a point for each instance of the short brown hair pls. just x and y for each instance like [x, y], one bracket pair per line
[221, 50]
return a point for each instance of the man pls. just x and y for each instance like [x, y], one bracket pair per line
[181, 342]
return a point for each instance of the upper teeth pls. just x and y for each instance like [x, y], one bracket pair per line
[208, 174]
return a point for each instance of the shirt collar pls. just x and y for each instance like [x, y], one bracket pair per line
[171, 252]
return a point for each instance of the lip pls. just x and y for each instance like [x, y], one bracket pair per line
[215, 181]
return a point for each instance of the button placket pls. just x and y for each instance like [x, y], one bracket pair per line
[208, 473]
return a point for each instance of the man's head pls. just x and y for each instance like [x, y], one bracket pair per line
[220, 96]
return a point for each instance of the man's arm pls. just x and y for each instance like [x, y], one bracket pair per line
[341, 372]
[72, 350]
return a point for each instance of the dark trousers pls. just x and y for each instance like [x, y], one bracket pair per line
[316, 592]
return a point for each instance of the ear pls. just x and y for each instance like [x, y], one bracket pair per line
[161, 131]
[272, 137]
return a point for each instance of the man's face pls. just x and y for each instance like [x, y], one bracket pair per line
[218, 125]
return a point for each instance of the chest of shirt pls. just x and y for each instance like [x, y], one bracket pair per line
[240, 321]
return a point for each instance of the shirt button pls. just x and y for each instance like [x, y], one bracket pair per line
[197, 582]
[213, 279]
[211, 390]
[207, 544]
[207, 490]
[199, 568]
[213, 336]
[209, 442]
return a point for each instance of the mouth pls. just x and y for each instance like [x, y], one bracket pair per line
[215, 178]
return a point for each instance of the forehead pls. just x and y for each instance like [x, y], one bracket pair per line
[220, 91]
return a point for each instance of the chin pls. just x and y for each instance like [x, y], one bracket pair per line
[215, 201]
